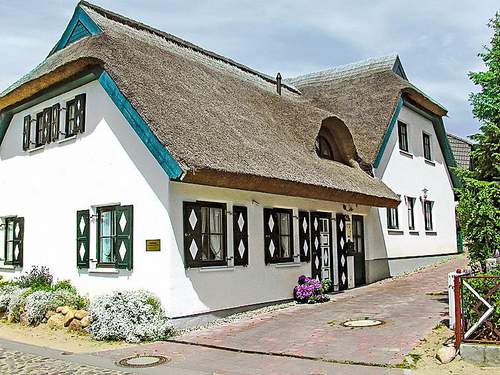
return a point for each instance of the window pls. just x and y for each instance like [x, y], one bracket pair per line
[392, 218]
[13, 241]
[278, 235]
[428, 215]
[323, 148]
[358, 235]
[205, 227]
[403, 136]
[75, 116]
[114, 236]
[426, 139]
[411, 213]
[39, 130]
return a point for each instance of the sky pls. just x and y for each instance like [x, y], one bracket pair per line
[437, 41]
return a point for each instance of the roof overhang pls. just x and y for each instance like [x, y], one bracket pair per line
[262, 184]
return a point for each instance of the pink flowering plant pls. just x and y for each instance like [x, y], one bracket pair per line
[309, 290]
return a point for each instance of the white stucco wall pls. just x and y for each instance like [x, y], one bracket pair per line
[408, 175]
[109, 164]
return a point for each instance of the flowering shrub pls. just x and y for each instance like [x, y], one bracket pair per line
[309, 290]
[16, 303]
[131, 315]
[6, 293]
[37, 277]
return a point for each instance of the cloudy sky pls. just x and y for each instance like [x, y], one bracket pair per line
[437, 41]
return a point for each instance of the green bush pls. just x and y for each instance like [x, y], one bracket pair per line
[38, 278]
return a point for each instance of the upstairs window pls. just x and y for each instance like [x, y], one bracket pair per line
[392, 218]
[39, 131]
[426, 139]
[323, 148]
[75, 116]
[429, 226]
[403, 136]
[411, 213]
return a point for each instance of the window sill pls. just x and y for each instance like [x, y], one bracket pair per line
[216, 269]
[66, 139]
[406, 153]
[104, 270]
[31, 150]
[395, 232]
[414, 233]
[287, 265]
[430, 233]
[429, 162]
[7, 267]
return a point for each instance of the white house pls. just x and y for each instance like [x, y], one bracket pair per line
[398, 130]
[130, 158]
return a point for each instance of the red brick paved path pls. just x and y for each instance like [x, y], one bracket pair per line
[404, 304]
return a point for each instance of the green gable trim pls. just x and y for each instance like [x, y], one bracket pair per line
[80, 26]
[388, 133]
[161, 154]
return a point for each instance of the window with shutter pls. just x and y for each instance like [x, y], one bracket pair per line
[304, 236]
[56, 108]
[26, 132]
[124, 236]
[39, 130]
[80, 112]
[70, 128]
[14, 241]
[82, 238]
[240, 235]
[47, 124]
[278, 235]
[205, 227]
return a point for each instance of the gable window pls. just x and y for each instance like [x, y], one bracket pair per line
[403, 136]
[323, 148]
[114, 236]
[13, 241]
[392, 218]
[428, 215]
[411, 213]
[75, 116]
[278, 235]
[426, 139]
[205, 231]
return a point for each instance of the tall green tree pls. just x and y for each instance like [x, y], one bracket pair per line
[479, 207]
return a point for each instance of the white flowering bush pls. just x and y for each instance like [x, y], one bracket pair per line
[6, 292]
[131, 315]
[16, 303]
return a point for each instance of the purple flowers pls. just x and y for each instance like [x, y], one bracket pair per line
[309, 291]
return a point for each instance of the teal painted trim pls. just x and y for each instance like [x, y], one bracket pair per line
[79, 32]
[161, 154]
[79, 16]
[388, 133]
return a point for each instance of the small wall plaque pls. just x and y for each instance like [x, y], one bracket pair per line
[153, 245]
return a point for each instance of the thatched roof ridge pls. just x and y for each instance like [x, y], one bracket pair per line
[365, 95]
[211, 114]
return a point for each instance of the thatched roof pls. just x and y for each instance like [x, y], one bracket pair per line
[213, 115]
[365, 95]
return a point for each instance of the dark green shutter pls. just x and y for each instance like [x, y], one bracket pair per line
[55, 122]
[26, 132]
[192, 234]
[82, 238]
[240, 235]
[124, 229]
[47, 122]
[80, 112]
[304, 236]
[271, 242]
[18, 244]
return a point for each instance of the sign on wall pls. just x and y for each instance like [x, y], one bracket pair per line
[153, 245]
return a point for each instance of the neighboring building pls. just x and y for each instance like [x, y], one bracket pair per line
[461, 149]
[132, 159]
[399, 131]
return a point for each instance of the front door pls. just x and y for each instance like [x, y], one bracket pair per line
[321, 239]
[358, 238]
[342, 251]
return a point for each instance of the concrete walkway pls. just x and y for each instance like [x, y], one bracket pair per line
[408, 306]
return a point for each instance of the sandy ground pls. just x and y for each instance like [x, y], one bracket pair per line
[427, 364]
[63, 340]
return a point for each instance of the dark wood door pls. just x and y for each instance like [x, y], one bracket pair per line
[358, 238]
[342, 251]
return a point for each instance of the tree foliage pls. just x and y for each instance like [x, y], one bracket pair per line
[479, 207]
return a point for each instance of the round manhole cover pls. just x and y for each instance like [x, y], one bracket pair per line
[140, 361]
[363, 323]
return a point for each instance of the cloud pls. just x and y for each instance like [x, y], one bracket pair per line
[438, 42]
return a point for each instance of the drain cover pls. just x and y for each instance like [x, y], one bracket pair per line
[142, 361]
[363, 323]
